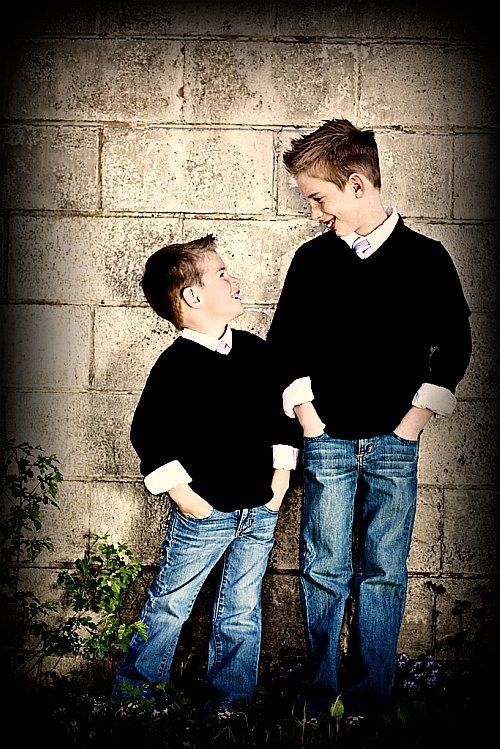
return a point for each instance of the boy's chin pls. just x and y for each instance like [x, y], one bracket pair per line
[237, 313]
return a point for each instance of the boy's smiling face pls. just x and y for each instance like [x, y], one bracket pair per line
[339, 210]
[220, 292]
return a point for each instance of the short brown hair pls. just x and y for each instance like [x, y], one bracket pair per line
[170, 270]
[333, 152]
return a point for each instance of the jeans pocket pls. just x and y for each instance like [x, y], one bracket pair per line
[403, 440]
[309, 440]
[270, 510]
[196, 520]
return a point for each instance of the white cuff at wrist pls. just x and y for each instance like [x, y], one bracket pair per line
[285, 456]
[438, 399]
[165, 477]
[300, 391]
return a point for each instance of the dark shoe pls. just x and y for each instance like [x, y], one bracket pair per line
[353, 721]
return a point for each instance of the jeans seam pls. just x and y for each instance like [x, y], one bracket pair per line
[217, 609]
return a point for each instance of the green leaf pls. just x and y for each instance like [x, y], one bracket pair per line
[337, 709]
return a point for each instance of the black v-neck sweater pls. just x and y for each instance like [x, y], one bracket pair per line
[370, 331]
[219, 415]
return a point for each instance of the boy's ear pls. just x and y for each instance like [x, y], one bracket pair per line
[192, 297]
[356, 182]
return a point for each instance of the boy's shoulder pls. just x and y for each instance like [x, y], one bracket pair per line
[426, 247]
[319, 244]
[172, 355]
[245, 339]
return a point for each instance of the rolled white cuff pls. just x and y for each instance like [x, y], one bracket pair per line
[285, 456]
[438, 399]
[165, 477]
[300, 391]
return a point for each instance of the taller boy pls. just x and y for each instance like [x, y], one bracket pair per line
[373, 333]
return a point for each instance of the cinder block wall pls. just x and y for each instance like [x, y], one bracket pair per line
[131, 125]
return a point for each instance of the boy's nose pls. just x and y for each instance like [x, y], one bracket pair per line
[316, 214]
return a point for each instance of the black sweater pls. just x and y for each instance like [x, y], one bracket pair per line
[219, 415]
[370, 332]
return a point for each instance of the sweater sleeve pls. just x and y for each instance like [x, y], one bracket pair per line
[285, 431]
[450, 332]
[288, 335]
[156, 421]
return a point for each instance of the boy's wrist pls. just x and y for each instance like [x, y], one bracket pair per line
[309, 419]
[181, 493]
[413, 422]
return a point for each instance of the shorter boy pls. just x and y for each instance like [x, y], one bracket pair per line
[210, 431]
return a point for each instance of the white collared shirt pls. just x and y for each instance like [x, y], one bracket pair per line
[210, 341]
[173, 473]
[378, 236]
[437, 399]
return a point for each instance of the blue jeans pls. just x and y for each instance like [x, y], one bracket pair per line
[244, 538]
[380, 473]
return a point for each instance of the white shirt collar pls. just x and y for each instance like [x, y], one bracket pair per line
[210, 341]
[378, 236]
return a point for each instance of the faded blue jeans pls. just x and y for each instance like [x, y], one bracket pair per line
[378, 476]
[244, 538]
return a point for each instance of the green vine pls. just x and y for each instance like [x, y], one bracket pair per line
[95, 592]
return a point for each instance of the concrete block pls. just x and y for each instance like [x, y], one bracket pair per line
[98, 79]
[129, 514]
[68, 527]
[471, 542]
[474, 184]
[285, 554]
[257, 252]
[416, 630]
[268, 83]
[358, 19]
[43, 583]
[290, 201]
[127, 342]
[50, 168]
[468, 620]
[430, 86]
[178, 18]
[416, 173]
[175, 169]
[45, 346]
[87, 260]
[112, 454]
[282, 621]
[89, 433]
[474, 250]
[425, 551]
[52, 17]
[415, 168]
[56, 421]
[459, 450]
[254, 320]
[3, 257]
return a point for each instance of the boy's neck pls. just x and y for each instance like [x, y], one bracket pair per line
[216, 329]
[374, 215]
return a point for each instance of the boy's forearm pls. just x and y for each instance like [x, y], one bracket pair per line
[413, 422]
[189, 502]
[279, 484]
[309, 420]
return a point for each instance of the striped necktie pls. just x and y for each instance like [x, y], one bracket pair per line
[223, 347]
[361, 246]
